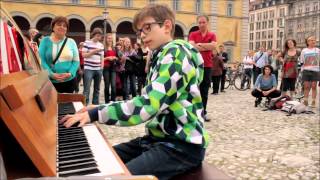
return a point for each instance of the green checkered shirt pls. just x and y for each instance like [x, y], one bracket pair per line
[171, 100]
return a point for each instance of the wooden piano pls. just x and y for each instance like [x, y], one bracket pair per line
[32, 143]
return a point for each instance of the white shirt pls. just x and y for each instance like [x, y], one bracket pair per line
[247, 62]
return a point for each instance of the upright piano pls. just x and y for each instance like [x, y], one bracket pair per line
[33, 144]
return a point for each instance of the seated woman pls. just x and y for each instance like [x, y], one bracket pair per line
[265, 86]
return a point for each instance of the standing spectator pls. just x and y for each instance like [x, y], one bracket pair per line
[274, 61]
[93, 53]
[247, 66]
[34, 44]
[176, 139]
[80, 70]
[310, 57]
[289, 72]
[225, 59]
[260, 60]
[141, 66]
[109, 70]
[59, 56]
[128, 60]
[32, 33]
[265, 85]
[204, 41]
[217, 69]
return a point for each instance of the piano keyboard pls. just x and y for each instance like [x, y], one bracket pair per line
[82, 150]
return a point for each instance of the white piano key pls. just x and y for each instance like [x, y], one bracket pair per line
[106, 161]
[77, 105]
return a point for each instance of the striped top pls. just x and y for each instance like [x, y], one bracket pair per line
[93, 62]
[68, 61]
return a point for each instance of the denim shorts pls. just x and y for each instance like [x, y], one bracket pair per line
[310, 75]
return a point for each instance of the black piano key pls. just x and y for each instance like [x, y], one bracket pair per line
[71, 150]
[76, 151]
[73, 146]
[77, 166]
[70, 131]
[65, 144]
[74, 156]
[79, 172]
[71, 161]
[71, 139]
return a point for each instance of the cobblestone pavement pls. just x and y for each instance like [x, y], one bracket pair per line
[248, 143]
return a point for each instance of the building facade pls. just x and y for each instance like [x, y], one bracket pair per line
[267, 23]
[228, 18]
[303, 20]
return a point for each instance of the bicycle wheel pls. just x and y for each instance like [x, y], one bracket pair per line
[299, 89]
[226, 83]
[237, 83]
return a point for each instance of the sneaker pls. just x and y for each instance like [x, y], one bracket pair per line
[223, 91]
[206, 118]
[257, 102]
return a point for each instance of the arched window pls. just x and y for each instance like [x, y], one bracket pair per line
[127, 3]
[176, 5]
[230, 9]
[198, 6]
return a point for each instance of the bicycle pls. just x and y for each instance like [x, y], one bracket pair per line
[234, 78]
[299, 92]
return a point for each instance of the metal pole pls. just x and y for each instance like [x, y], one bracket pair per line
[104, 26]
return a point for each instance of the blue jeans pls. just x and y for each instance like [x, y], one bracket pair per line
[132, 79]
[109, 77]
[163, 159]
[87, 79]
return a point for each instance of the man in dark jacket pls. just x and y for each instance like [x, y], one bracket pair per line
[225, 59]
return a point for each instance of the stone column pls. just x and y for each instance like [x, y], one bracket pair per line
[87, 34]
[114, 37]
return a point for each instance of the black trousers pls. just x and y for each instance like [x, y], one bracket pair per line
[223, 79]
[258, 94]
[163, 159]
[215, 83]
[66, 87]
[204, 87]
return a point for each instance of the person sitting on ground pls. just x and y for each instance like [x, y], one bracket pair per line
[171, 101]
[265, 86]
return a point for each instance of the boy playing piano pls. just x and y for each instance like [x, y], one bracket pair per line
[171, 102]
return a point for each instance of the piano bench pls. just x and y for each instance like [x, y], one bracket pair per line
[204, 172]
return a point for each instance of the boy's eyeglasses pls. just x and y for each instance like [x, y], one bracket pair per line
[146, 28]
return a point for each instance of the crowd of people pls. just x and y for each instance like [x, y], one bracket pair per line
[123, 66]
[284, 67]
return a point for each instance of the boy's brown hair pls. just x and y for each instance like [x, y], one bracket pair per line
[158, 12]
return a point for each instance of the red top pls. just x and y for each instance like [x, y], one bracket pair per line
[208, 38]
[81, 58]
[108, 53]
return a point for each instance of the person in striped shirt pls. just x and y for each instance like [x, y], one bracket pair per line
[170, 102]
[93, 53]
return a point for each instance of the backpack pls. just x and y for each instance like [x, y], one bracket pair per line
[277, 103]
[294, 107]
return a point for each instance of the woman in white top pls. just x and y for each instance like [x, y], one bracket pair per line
[310, 57]
[247, 66]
